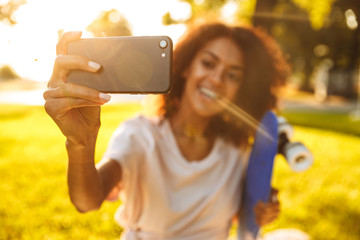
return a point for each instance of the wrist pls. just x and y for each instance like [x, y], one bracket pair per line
[81, 151]
[79, 143]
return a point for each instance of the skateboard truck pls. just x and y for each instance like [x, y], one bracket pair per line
[296, 154]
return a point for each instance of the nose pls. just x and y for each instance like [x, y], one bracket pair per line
[217, 75]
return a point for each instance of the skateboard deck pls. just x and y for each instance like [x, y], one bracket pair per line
[258, 176]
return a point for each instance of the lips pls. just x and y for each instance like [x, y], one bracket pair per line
[207, 92]
[205, 101]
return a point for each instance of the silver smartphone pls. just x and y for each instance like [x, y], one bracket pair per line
[138, 65]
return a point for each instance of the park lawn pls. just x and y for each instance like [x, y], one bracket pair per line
[35, 202]
[338, 122]
[322, 201]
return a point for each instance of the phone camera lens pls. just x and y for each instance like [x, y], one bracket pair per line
[163, 44]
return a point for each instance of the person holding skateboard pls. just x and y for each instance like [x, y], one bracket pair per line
[180, 173]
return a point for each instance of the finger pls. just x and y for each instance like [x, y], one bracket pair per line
[270, 206]
[266, 220]
[266, 209]
[65, 63]
[271, 216]
[274, 190]
[75, 62]
[273, 195]
[266, 217]
[266, 212]
[57, 107]
[70, 90]
[61, 47]
[271, 210]
[259, 205]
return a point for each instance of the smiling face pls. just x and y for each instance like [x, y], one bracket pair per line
[218, 66]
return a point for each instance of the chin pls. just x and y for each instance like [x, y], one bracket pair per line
[206, 110]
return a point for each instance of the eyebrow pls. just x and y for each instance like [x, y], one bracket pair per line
[236, 67]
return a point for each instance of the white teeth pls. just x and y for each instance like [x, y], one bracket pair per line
[208, 93]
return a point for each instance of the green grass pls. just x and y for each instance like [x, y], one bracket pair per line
[35, 202]
[322, 201]
[338, 122]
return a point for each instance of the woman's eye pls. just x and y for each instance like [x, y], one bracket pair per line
[233, 77]
[208, 63]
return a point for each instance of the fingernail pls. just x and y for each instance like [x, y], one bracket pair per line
[94, 65]
[104, 96]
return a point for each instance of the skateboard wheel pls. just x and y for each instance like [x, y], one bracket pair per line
[298, 156]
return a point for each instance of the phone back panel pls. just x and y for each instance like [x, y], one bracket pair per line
[129, 64]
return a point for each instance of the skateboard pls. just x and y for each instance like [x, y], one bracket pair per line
[258, 176]
[260, 167]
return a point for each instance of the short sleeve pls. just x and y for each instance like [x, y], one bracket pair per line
[127, 145]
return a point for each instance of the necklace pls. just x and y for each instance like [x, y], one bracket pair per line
[193, 143]
[189, 131]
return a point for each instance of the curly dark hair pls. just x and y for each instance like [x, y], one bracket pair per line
[265, 71]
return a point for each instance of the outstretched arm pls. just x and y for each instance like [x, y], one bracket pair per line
[76, 111]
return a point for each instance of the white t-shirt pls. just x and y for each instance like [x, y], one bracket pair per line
[165, 196]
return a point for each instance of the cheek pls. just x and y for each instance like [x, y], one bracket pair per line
[192, 78]
[195, 71]
[231, 91]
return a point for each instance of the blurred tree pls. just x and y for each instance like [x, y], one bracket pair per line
[342, 36]
[7, 10]
[7, 73]
[308, 43]
[309, 31]
[292, 29]
[199, 9]
[318, 10]
[110, 23]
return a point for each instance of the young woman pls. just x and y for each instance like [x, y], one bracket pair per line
[180, 172]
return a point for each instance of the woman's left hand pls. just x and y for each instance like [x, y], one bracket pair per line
[266, 213]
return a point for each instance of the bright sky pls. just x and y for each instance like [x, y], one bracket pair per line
[29, 46]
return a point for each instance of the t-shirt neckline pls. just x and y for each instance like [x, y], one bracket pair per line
[206, 161]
